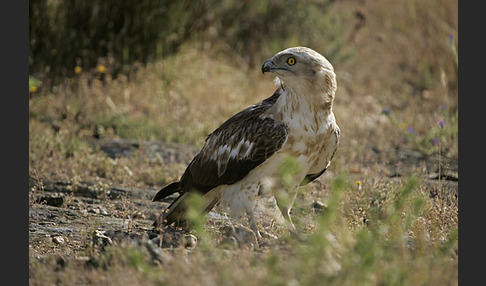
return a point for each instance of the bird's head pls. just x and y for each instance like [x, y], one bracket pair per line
[303, 69]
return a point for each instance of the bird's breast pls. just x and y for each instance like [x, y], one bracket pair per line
[311, 138]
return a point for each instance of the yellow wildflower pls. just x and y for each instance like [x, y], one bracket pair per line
[101, 69]
[78, 69]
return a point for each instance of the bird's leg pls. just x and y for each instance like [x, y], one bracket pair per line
[233, 230]
[288, 220]
[285, 207]
[253, 226]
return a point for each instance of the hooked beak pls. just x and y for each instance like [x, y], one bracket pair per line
[268, 66]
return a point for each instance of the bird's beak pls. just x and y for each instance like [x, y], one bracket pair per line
[268, 66]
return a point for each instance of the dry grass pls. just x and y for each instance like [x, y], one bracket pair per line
[387, 231]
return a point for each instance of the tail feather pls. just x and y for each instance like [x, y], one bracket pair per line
[167, 191]
[176, 211]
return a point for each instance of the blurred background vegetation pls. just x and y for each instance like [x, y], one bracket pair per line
[66, 34]
[410, 41]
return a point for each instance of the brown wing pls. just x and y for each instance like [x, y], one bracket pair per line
[229, 153]
[240, 144]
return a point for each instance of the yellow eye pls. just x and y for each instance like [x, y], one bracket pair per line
[291, 61]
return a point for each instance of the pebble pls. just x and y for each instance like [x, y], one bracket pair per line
[98, 210]
[189, 241]
[99, 238]
[59, 239]
[55, 200]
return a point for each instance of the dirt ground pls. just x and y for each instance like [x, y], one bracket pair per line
[76, 220]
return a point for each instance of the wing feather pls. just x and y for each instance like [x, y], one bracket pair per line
[240, 144]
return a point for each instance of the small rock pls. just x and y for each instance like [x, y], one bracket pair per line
[98, 210]
[189, 241]
[58, 239]
[55, 200]
[100, 239]
[102, 210]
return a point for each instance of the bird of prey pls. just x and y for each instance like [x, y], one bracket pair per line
[241, 160]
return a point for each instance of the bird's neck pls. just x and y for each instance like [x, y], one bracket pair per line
[294, 101]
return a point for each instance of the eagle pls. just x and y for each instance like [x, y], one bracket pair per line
[242, 159]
